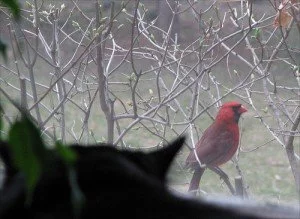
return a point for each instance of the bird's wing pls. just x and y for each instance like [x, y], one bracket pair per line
[214, 147]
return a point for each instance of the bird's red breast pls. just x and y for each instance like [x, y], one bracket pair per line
[220, 140]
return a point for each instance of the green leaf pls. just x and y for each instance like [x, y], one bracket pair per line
[13, 6]
[65, 153]
[256, 33]
[28, 152]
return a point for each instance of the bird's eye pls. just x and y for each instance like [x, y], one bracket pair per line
[236, 107]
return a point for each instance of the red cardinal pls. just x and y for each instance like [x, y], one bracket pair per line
[218, 143]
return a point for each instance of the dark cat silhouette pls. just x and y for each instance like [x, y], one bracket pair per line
[115, 183]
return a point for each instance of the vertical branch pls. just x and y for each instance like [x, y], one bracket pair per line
[34, 91]
[61, 90]
[87, 106]
[166, 42]
[102, 79]
[31, 64]
[294, 162]
[31, 60]
[194, 99]
[239, 188]
[23, 91]
[133, 92]
[137, 75]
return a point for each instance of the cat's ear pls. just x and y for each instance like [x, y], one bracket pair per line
[164, 156]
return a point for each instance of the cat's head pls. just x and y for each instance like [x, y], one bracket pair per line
[154, 164]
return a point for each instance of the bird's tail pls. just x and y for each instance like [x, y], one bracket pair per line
[195, 181]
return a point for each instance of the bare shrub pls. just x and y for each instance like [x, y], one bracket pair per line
[90, 73]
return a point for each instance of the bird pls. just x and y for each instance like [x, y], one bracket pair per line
[218, 143]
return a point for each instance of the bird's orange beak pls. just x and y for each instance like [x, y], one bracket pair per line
[242, 109]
